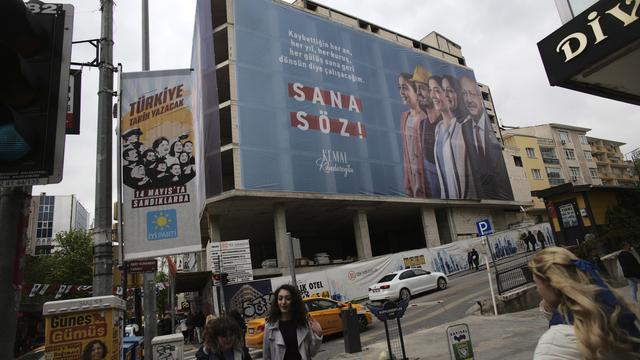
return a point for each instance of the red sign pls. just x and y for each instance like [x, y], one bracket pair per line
[143, 266]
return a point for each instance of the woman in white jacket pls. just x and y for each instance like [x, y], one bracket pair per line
[588, 320]
[290, 333]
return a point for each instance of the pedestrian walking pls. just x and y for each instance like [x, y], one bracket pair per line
[199, 321]
[540, 237]
[532, 240]
[222, 341]
[587, 319]
[476, 258]
[470, 260]
[290, 333]
[630, 269]
[525, 238]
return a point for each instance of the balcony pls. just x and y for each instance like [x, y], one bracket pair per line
[550, 160]
[554, 182]
[546, 141]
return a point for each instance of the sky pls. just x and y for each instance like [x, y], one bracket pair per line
[498, 39]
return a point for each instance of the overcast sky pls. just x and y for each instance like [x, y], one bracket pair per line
[498, 40]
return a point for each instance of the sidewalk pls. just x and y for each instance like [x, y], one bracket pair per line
[510, 336]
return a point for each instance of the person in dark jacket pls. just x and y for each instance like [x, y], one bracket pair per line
[164, 325]
[476, 258]
[540, 237]
[630, 269]
[235, 315]
[531, 239]
[222, 341]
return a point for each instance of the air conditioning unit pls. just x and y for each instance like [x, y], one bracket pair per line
[574, 178]
[563, 142]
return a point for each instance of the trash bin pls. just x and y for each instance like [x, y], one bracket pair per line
[138, 346]
[350, 330]
[127, 351]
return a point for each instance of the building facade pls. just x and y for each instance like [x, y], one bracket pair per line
[565, 152]
[612, 167]
[251, 201]
[50, 215]
[529, 157]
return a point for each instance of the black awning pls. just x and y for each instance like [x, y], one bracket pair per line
[191, 281]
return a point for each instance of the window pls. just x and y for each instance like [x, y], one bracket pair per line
[518, 161]
[405, 275]
[553, 173]
[583, 140]
[419, 272]
[536, 174]
[575, 171]
[569, 154]
[564, 137]
[531, 152]
[594, 173]
[587, 155]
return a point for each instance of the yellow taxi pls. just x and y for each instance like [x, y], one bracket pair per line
[324, 310]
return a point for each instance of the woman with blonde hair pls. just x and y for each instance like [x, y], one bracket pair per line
[588, 320]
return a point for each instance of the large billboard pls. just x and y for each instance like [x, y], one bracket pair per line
[160, 165]
[326, 108]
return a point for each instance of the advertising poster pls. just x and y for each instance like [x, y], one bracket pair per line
[236, 259]
[326, 108]
[251, 299]
[507, 243]
[77, 335]
[159, 164]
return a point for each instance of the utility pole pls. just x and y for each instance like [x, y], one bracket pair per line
[149, 277]
[102, 253]
[14, 207]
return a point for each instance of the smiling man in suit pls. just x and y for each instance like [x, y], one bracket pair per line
[484, 151]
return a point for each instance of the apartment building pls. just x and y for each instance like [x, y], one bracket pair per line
[565, 152]
[51, 215]
[611, 166]
[528, 156]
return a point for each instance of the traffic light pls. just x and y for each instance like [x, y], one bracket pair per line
[35, 51]
[224, 278]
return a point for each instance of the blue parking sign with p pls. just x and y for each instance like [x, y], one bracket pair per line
[484, 227]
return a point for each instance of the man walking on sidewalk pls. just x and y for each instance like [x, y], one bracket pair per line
[630, 269]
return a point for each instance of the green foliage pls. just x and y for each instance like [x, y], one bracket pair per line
[71, 263]
[623, 222]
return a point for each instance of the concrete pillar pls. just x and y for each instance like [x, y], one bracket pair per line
[282, 241]
[430, 226]
[214, 227]
[452, 224]
[361, 230]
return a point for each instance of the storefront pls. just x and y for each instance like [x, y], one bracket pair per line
[597, 52]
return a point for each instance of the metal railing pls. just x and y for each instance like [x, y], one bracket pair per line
[513, 272]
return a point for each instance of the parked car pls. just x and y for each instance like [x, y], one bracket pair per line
[323, 310]
[404, 283]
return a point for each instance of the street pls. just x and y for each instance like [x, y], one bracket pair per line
[425, 311]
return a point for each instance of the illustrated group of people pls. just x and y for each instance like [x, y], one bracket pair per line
[166, 163]
[449, 148]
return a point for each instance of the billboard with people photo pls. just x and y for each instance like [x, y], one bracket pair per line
[323, 107]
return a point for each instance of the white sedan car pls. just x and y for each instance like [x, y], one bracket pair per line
[404, 283]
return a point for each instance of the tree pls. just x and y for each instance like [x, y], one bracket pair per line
[70, 263]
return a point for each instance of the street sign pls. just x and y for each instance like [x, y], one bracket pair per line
[484, 227]
[236, 260]
[459, 338]
[143, 266]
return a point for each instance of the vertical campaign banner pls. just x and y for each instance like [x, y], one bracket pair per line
[159, 163]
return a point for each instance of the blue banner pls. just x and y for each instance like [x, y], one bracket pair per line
[326, 108]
